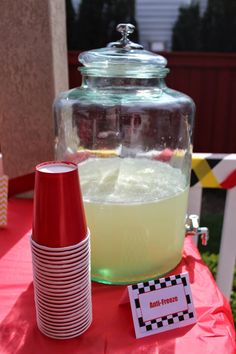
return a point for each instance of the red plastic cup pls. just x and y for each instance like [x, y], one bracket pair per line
[59, 218]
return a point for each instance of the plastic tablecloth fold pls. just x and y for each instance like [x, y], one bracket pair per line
[112, 328]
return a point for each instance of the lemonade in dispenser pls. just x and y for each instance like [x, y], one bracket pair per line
[131, 136]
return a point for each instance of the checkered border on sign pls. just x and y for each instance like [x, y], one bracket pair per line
[157, 284]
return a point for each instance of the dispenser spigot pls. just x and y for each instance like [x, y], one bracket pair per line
[193, 229]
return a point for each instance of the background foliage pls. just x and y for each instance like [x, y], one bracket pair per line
[94, 26]
[215, 31]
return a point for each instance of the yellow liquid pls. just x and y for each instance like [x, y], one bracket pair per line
[136, 214]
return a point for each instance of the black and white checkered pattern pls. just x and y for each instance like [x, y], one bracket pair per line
[151, 285]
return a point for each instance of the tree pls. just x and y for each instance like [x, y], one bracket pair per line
[186, 31]
[98, 20]
[123, 11]
[71, 26]
[219, 26]
[215, 31]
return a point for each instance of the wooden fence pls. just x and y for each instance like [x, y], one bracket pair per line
[210, 79]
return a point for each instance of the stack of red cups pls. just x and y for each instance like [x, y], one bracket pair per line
[61, 252]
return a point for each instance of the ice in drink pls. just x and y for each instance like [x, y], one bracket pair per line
[135, 210]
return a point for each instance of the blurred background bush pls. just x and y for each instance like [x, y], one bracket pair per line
[95, 23]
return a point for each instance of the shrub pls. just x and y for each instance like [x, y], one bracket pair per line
[97, 21]
[186, 31]
[71, 26]
[215, 31]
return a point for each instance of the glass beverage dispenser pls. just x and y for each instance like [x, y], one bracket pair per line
[131, 136]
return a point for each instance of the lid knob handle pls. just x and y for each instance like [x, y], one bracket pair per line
[125, 29]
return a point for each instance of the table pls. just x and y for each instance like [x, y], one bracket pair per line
[112, 328]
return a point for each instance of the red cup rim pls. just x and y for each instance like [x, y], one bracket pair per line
[61, 311]
[60, 250]
[39, 291]
[60, 282]
[86, 286]
[56, 287]
[58, 337]
[58, 279]
[66, 263]
[73, 320]
[79, 314]
[45, 296]
[84, 264]
[61, 331]
[65, 315]
[59, 258]
[68, 312]
[78, 295]
[76, 305]
[52, 163]
[66, 335]
[65, 300]
[58, 290]
[67, 324]
[61, 264]
[83, 284]
[44, 275]
[60, 285]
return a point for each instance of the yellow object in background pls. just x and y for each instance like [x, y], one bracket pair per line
[100, 152]
[204, 173]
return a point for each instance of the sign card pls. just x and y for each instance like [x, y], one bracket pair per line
[162, 304]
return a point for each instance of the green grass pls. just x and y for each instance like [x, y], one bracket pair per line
[210, 253]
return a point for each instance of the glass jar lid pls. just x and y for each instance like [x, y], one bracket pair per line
[123, 58]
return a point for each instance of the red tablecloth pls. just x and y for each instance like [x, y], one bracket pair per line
[112, 329]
